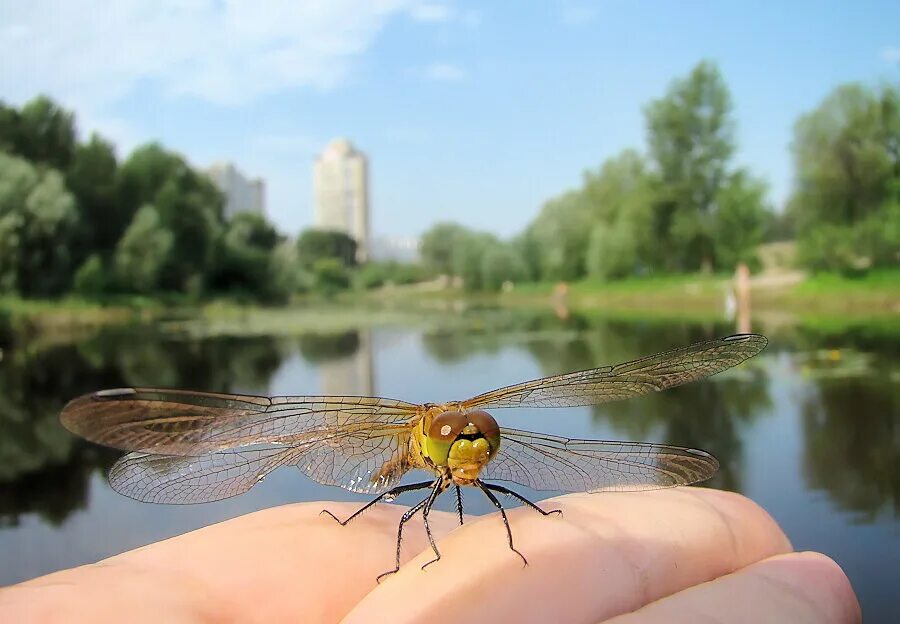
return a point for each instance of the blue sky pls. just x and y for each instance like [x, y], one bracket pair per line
[473, 112]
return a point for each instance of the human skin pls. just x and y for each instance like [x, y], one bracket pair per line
[687, 554]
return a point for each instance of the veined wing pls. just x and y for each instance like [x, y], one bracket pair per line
[175, 479]
[613, 383]
[187, 423]
[545, 462]
[368, 463]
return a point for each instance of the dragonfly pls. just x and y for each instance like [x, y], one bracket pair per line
[194, 447]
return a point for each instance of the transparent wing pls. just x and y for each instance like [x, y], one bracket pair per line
[368, 462]
[182, 422]
[544, 462]
[612, 383]
[175, 479]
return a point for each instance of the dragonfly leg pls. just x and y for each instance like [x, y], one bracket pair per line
[499, 506]
[392, 492]
[435, 492]
[459, 505]
[406, 516]
[522, 499]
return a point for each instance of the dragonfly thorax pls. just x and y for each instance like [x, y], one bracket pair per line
[462, 442]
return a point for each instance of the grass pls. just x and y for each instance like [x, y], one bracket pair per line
[883, 281]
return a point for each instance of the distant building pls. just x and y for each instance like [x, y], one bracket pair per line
[395, 248]
[241, 193]
[341, 187]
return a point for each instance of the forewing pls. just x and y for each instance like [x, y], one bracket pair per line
[182, 422]
[174, 479]
[613, 383]
[544, 462]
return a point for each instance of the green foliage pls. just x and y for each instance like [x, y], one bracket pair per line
[612, 251]
[314, 245]
[42, 132]
[152, 224]
[244, 260]
[438, 246]
[37, 217]
[376, 274]
[92, 277]
[288, 276]
[468, 258]
[848, 180]
[330, 276]
[690, 136]
[501, 263]
[92, 179]
[143, 252]
[741, 221]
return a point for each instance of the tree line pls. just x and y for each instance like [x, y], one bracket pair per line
[683, 205]
[73, 218]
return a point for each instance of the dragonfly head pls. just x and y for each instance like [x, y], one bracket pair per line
[463, 442]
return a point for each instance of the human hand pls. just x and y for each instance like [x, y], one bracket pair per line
[670, 555]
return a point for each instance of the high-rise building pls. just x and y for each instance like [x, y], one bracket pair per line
[341, 187]
[241, 193]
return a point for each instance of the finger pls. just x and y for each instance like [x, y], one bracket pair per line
[798, 587]
[283, 564]
[610, 553]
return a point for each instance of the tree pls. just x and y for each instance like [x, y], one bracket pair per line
[439, 244]
[244, 260]
[561, 232]
[314, 245]
[847, 162]
[330, 275]
[46, 133]
[741, 220]
[501, 263]
[690, 135]
[92, 179]
[188, 206]
[143, 252]
[37, 217]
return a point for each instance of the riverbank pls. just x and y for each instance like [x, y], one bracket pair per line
[825, 297]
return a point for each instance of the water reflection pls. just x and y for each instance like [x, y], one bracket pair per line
[837, 391]
[852, 444]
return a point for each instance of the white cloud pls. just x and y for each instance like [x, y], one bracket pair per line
[891, 54]
[445, 72]
[93, 52]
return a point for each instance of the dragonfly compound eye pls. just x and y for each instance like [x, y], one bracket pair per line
[445, 427]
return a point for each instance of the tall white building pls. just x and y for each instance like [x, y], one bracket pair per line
[341, 187]
[241, 193]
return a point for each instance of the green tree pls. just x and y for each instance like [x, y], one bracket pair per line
[288, 276]
[847, 163]
[37, 216]
[439, 244]
[245, 256]
[501, 263]
[330, 275]
[92, 277]
[741, 220]
[10, 126]
[92, 179]
[46, 133]
[315, 244]
[690, 135]
[143, 252]
[188, 206]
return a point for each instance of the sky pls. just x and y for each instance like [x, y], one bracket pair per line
[476, 112]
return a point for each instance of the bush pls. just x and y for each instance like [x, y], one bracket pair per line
[330, 276]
